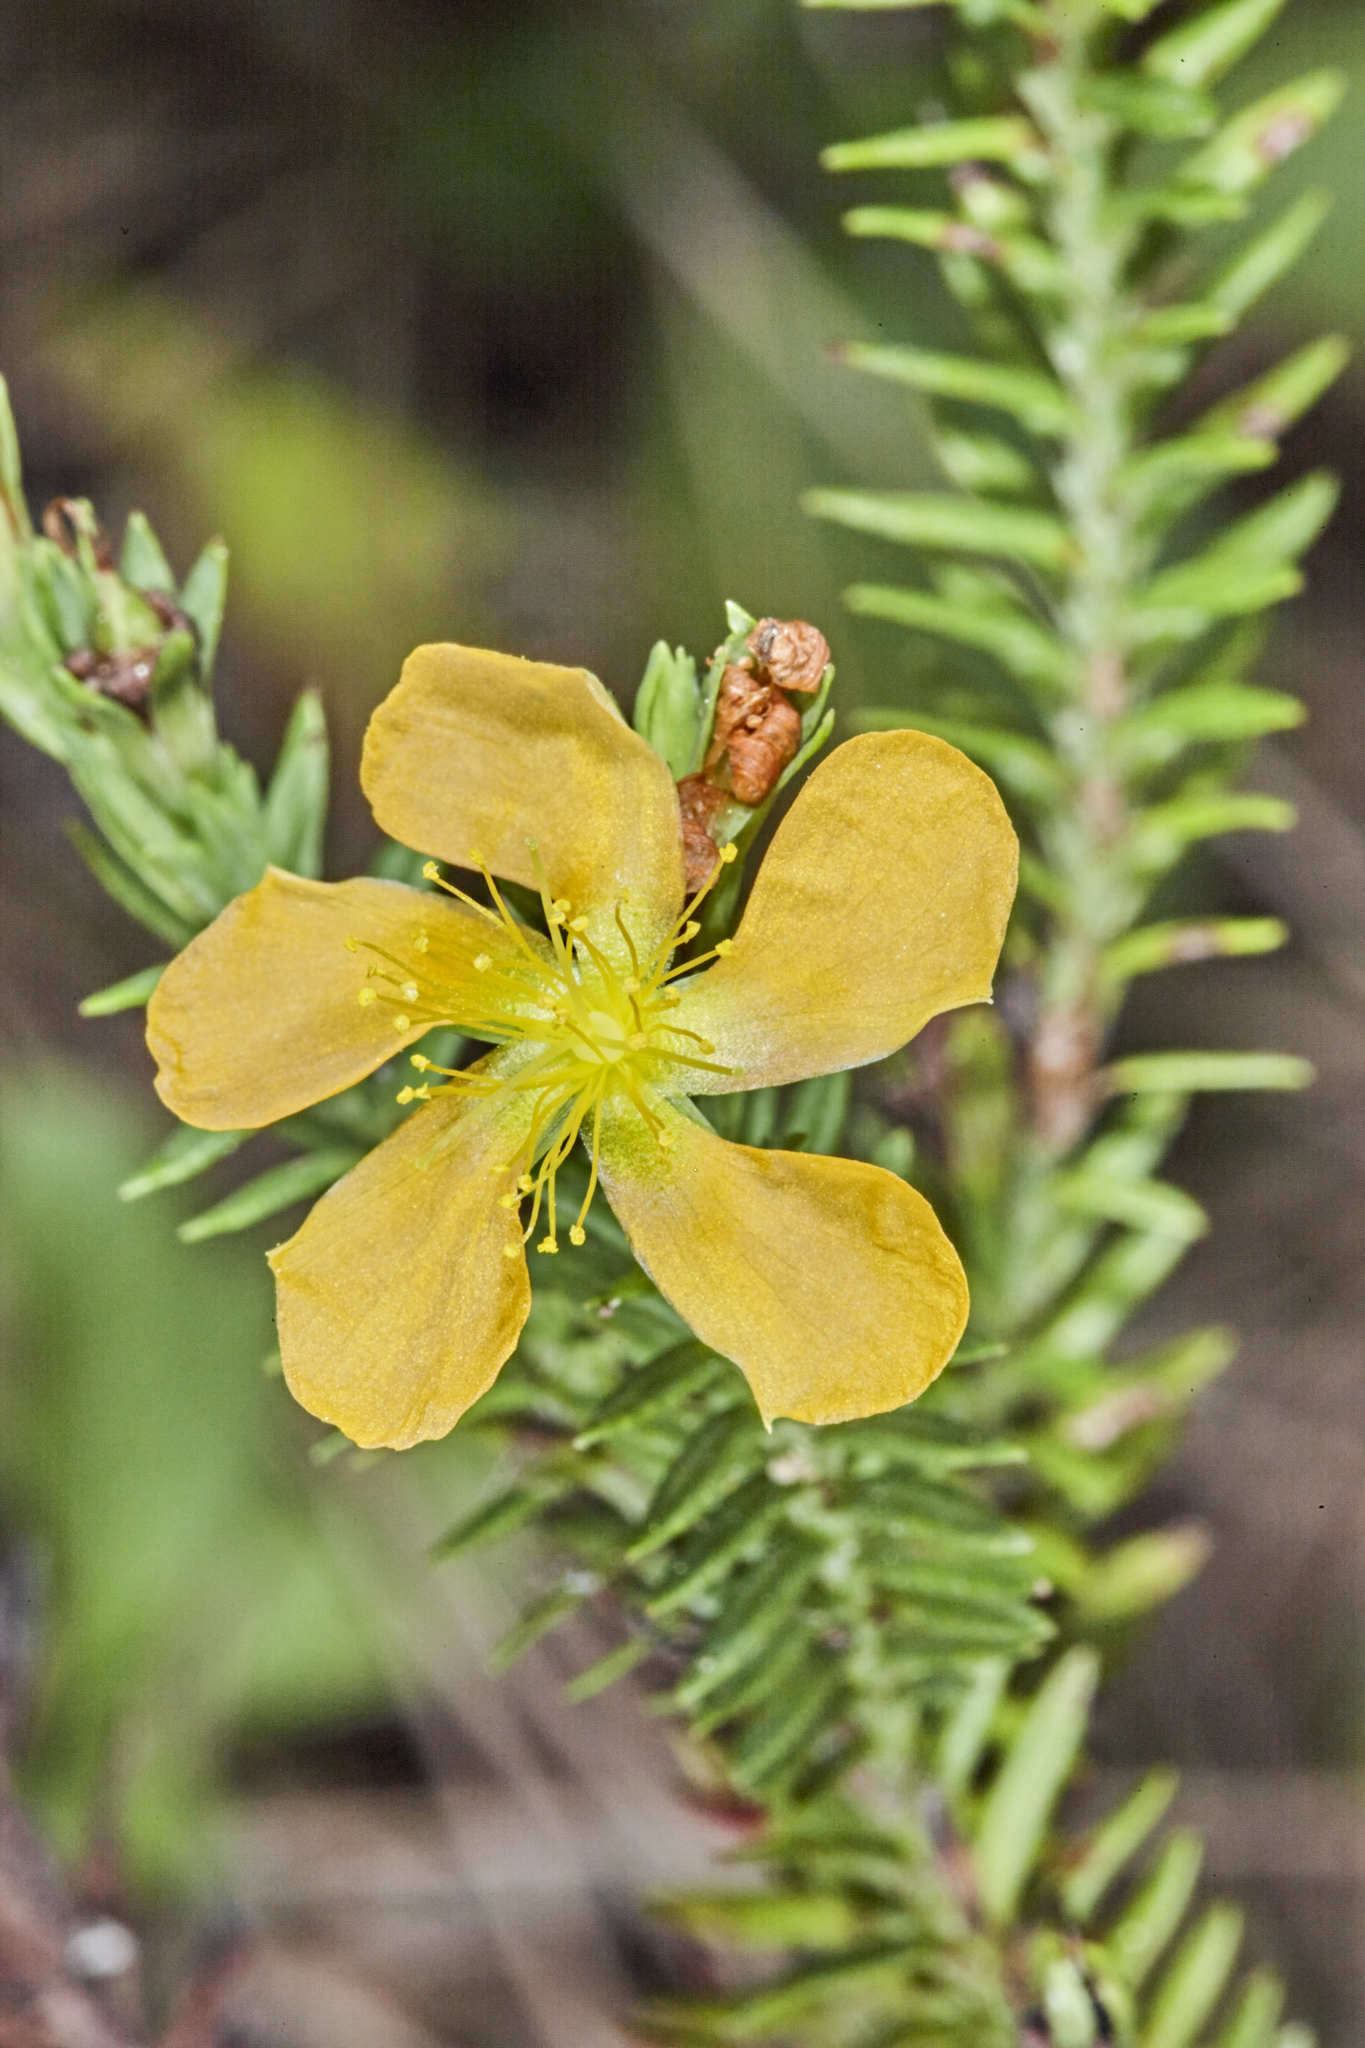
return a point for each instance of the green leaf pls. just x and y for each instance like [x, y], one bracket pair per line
[1195, 1980]
[930, 519]
[11, 472]
[1003, 138]
[1149, 1921]
[128, 891]
[781, 1920]
[1144, 1572]
[129, 994]
[1188, 1073]
[1272, 403]
[966, 1731]
[1256, 2015]
[1244, 153]
[1024, 647]
[1140, 1204]
[501, 1516]
[1168, 109]
[1171, 470]
[1248, 275]
[1163, 832]
[183, 1155]
[711, 1464]
[1012, 1830]
[540, 1617]
[278, 1188]
[203, 595]
[607, 1671]
[787, 1721]
[141, 559]
[1174, 944]
[1200, 51]
[1217, 711]
[721, 1542]
[295, 813]
[668, 707]
[1114, 1843]
[755, 1617]
[1030, 396]
[983, 463]
[647, 1391]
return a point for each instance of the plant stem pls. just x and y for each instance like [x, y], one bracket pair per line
[1085, 347]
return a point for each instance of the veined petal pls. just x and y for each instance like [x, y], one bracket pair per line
[476, 752]
[397, 1301]
[881, 902]
[829, 1283]
[261, 1014]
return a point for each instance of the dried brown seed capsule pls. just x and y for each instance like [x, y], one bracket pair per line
[126, 677]
[793, 654]
[759, 752]
[699, 803]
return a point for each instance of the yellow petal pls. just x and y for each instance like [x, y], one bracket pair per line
[261, 1014]
[397, 1305]
[479, 753]
[881, 902]
[829, 1283]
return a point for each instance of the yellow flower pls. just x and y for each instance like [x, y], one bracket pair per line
[882, 902]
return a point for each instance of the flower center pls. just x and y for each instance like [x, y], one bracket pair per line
[589, 1023]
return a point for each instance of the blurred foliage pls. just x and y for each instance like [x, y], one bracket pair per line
[180, 1594]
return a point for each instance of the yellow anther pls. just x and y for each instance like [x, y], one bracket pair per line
[402, 1022]
[482, 962]
[365, 998]
[509, 1201]
[525, 1184]
[420, 1061]
[548, 1244]
[509, 1251]
[666, 1140]
[406, 1094]
[352, 943]
[422, 943]
[729, 853]
[409, 991]
[577, 1234]
[724, 946]
[688, 932]
[430, 871]
[578, 924]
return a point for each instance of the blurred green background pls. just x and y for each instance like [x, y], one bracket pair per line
[507, 322]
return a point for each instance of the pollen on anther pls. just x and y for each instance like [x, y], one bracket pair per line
[509, 1251]
[430, 871]
[405, 1095]
[577, 1234]
[422, 942]
[724, 946]
[410, 991]
[420, 1061]
[402, 1022]
[729, 853]
[482, 962]
[525, 1184]
[365, 998]
[548, 1244]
